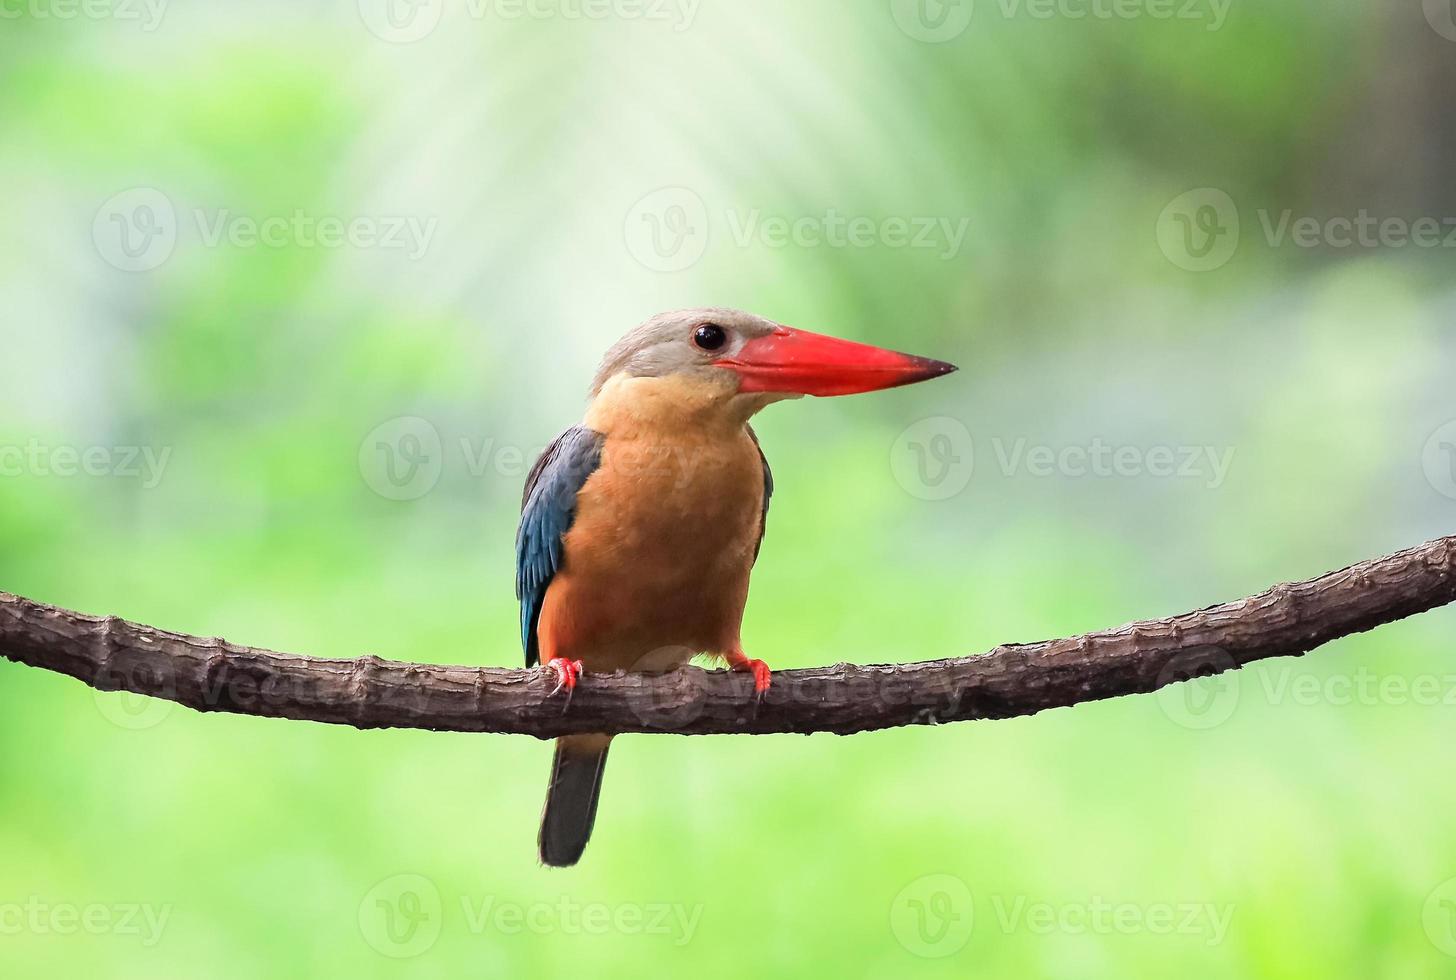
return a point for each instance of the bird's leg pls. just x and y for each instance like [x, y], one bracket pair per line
[762, 676]
[566, 673]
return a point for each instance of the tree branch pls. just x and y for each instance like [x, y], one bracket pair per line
[1016, 679]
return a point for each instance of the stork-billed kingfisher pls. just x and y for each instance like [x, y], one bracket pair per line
[640, 526]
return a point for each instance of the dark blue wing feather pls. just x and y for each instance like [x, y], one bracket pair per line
[767, 491]
[548, 507]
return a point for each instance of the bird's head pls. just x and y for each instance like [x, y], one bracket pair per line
[729, 357]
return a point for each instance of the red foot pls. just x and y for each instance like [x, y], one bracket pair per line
[762, 676]
[566, 672]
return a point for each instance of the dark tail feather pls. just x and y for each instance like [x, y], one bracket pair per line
[571, 798]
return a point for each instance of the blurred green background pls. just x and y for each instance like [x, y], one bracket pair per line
[294, 291]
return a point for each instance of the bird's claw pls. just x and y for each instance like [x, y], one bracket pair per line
[566, 672]
[762, 676]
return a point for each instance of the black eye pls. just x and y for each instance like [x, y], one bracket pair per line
[710, 336]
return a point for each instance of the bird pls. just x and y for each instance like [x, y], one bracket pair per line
[641, 525]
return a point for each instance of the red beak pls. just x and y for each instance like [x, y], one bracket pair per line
[802, 363]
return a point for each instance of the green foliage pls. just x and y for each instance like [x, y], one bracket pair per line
[263, 373]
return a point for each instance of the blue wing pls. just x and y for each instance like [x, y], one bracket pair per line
[767, 491]
[548, 507]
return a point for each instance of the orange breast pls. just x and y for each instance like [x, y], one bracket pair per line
[657, 561]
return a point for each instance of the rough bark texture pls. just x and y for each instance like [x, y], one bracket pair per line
[1016, 679]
